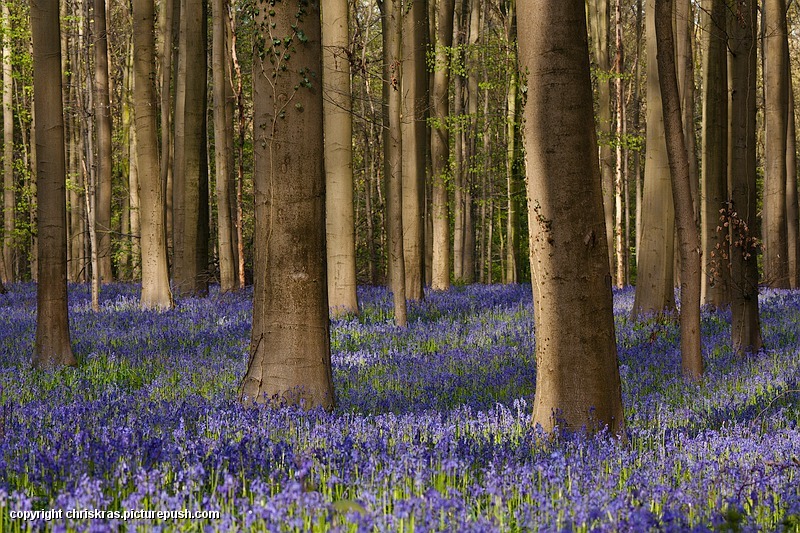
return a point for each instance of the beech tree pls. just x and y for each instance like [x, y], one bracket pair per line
[691, 358]
[655, 253]
[714, 182]
[155, 278]
[577, 377]
[414, 95]
[338, 123]
[741, 213]
[776, 70]
[440, 144]
[9, 202]
[290, 359]
[102, 110]
[393, 149]
[53, 348]
[190, 171]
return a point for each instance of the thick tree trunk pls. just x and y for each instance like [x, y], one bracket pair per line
[414, 92]
[776, 70]
[577, 378]
[102, 110]
[290, 358]
[691, 357]
[155, 279]
[393, 149]
[741, 215]
[338, 123]
[440, 144]
[223, 139]
[654, 283]
[190, 171]
[714, 288]
[53, 348]
[9, 202]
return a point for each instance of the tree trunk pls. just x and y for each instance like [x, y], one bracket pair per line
[792, 214]
[691, 357]
[414, 93]
[684, 68]
[9, 202]
[190, 170]
[776, 69]
[654, 283]
[619, 178]
[53, 348]
[223, 154]
[714, 288]
[459, 39]
[155, 278]
[169, 29]
[290, 358]
[102, 110]
[338, 123]
[512, 214]
[393, 149]
[741, 215]
[577, 378]
[599, 17]
[440, 144]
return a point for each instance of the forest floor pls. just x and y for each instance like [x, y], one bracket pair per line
[431, 431]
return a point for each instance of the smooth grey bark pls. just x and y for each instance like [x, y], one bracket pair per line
[414, 93]
[290, 358]
[102, 116]
[691, 357]
[741, 214]
[53, 348]
[223, 145]
[190, 170]
[393, 149]
[714, 178]
[655, 254]
[776, 87]
[338, 123]
[440, 145]
[577, 377]
[155, 278]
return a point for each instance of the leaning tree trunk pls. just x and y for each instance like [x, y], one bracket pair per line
[691, 357]
[741, 215]
[155, 278]
[714, 182]
[577, 378]
[440, 144]
[53, 348]
[338, 123]
[655, 255]
[776, 72]
[290, 358]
